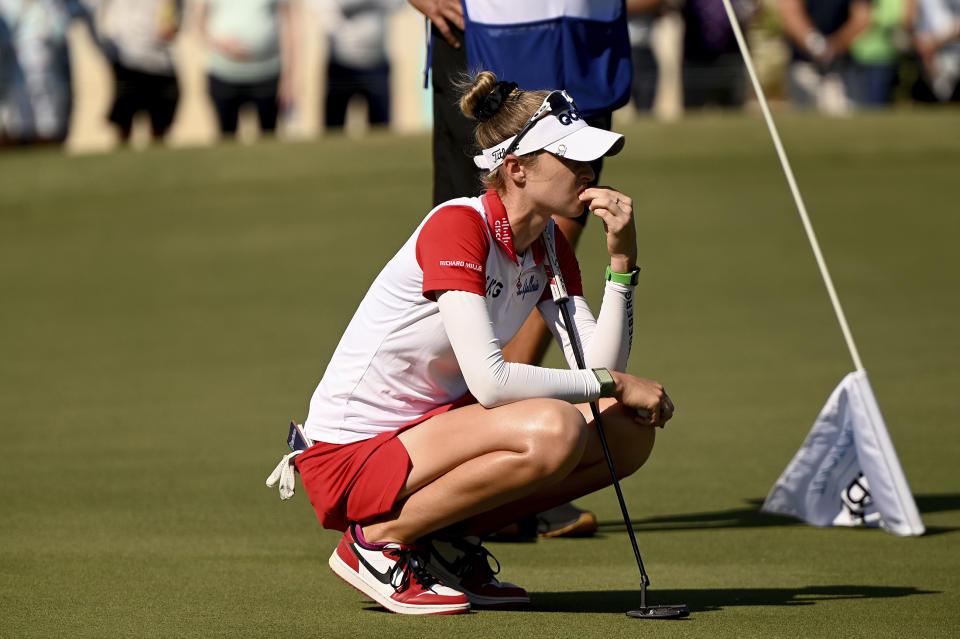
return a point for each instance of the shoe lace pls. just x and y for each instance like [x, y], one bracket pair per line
[475, 561]
[410, 566]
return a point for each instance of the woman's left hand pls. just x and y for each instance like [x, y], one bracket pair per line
[615, 210]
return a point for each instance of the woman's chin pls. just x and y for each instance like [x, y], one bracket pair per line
[573, 211]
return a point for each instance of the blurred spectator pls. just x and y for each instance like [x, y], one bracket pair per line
[36, 91]
[821, 33]
[641, 16]
[136, 37]
[936, 37]
[357, 64]
[252, 49]
[713, 70]
[876, 55]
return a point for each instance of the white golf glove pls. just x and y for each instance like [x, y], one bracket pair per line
[285, 475]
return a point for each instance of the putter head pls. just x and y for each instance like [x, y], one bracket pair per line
[671, 611]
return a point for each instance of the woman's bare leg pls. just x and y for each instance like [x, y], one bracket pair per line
[630, 445]
[472, 459]
[504, 462]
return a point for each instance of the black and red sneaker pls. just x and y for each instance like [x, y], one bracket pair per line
[464, 564]
[395, 576]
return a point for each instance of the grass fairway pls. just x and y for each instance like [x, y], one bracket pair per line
[165, 313]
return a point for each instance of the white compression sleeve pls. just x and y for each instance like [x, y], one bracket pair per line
[492, 380]
[606, 341]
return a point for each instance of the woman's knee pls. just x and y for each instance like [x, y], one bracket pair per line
[638, 451]
[630, 443]
[556, 436]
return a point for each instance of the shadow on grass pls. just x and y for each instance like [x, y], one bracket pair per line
[746, 517]
[619, 601]
[751, 517]
[712, 600]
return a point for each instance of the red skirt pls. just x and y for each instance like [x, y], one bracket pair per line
[359, 481]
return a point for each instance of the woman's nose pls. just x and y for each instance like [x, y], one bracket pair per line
[588, 172]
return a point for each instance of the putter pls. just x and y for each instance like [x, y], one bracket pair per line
[559, 291]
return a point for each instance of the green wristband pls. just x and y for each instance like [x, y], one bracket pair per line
[630, 279]
[607, 384]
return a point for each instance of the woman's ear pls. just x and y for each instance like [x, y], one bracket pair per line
[514, 171]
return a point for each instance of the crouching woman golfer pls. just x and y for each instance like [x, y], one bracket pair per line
[426, 438]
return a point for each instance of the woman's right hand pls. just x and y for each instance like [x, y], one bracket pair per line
[615, 210]
[645, 396]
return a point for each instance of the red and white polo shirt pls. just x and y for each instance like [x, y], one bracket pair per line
[394, 362]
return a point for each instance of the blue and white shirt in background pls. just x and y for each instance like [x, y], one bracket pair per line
[577, 45]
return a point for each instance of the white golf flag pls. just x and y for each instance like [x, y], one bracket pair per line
[847, 472]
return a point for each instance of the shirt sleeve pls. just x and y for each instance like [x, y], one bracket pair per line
[605, 341]
[452, 250]
[492, 380]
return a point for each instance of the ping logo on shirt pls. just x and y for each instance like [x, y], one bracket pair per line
[530, 286]
[494, 286]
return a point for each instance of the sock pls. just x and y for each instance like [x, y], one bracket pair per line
[358, 534]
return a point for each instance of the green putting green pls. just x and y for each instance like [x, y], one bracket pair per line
[165, 314]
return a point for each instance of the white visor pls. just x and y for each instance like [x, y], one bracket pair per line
[564, 136]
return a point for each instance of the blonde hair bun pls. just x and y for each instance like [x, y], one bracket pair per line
[476, 92]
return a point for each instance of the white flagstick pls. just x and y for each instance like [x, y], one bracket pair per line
[793, 185]
[893, 495]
